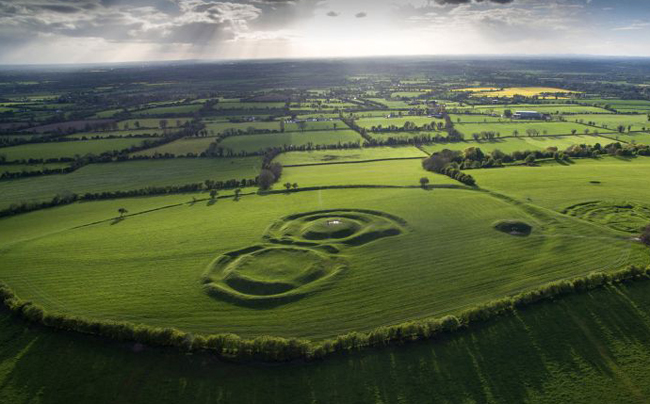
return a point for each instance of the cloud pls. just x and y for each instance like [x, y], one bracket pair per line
[457, 2]
[635, 26]
[362, 14]
[333, 14]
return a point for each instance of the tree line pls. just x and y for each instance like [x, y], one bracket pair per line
[69, 198]
[446, 162]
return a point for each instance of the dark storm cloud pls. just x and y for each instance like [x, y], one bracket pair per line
[362, 14]
[333, 14]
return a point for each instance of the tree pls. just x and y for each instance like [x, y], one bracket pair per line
[282, 126]
[287, 185]
[213, 194]
[295, 185]
[122, 212]
[237, 193]
[302, 125]
[163, 123]
[424, 181]
[266, 179]
[530, 159]
[507, 113]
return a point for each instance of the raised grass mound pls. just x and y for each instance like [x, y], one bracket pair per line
[269, 274]
[514, 227]
[627, 217]
[344, 227]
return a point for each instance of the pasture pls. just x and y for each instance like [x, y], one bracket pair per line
[522, 127]
[128, 175]
[557, 186]
[180, 147]
[419, 121]
[256, 143]
[67, 149]
[444, 230]
[523, 143]
[520, 91]
[611, 122]
[338, 156]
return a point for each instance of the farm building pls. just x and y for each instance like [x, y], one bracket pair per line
[528, 115]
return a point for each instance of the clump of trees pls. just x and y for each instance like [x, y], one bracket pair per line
[446, 162]
[271, 171]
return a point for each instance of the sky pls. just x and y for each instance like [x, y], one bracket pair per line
[101, 31]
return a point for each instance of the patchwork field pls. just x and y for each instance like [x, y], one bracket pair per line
[256, 143]
[513, 91]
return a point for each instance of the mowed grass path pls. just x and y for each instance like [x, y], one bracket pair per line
[150, 266]
[128, 175]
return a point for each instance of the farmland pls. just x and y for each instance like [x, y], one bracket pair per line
[255, 143]
[325, 231]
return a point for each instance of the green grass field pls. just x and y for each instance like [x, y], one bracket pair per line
[215, 128]
[254, 143]
[582, 349]
[508, 129]
[334, 156]
[447, 231]
[612, 121]
[67, 149]
[557, 187]
[128, 175]
[523, 143]
[175, 109]
[181, 147]
[419, 121]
